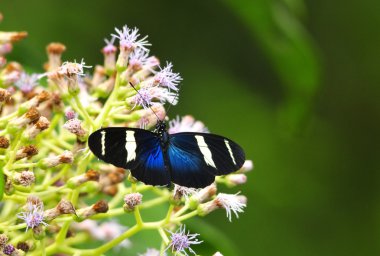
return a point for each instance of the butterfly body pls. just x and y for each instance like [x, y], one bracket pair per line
[159, 158]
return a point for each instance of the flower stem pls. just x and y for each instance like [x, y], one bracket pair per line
[108, 105]
[163, 235]
[98, 251]
[186, 216]
[84, 112]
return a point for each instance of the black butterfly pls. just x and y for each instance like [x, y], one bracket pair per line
[188, 159]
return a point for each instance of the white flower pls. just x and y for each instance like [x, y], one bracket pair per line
[129, 38]
[180, 241]
[167, 78]
[26, 82]
[73, 68]
[232, 203]
[109, 48]
[247, 166]
[147, 96]
[186, 124]
[33, 216]
[138, 58]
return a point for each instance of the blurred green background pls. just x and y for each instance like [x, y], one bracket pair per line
[296, 83]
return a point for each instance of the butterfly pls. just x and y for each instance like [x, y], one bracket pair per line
[187, 159]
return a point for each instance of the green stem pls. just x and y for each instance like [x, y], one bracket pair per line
[8, 117]
[123, 117]
[23, 166]
[186, 216]
[153, 202]
[54, 179]
[14, 227]
[13, 150]
[169, 214]
[138, 217]
[84, 112]
[107, 246]
[163, 235]
[182, 210]
[53, 147]
[108, 105]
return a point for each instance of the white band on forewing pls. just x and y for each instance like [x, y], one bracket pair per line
[230, 150]
[205, 150]
[130, 145]
[103, 141]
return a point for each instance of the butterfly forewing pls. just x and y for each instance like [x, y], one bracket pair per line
[211, 153]
[130, 148]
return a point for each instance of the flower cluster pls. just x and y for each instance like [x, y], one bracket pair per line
[53, 190]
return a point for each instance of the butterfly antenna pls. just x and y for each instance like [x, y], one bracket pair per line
[145, 101]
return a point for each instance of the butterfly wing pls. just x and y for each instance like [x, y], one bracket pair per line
[130, 148]
[195, 158]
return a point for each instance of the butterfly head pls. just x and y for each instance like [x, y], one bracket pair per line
[160, 127]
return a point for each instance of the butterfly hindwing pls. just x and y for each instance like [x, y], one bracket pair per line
[130, 148]
[195, 158]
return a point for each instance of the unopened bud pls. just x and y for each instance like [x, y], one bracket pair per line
[30, 116]
[4, 142]
[63, 207]
[34, 200]
[54, 51]
[34, 101]
[3, 240]
[33, 130]
[26, 151]
[99, 207]
[109, 52]
[110, 190]
[99, 75]
[66, 157]
[9, 189]
[117, 176]
[75, 126]
[247, 166]
[39, 232]
[7, 37]
[203, 195]
[131, 201]
[236, 179]
[24, 246]
[90, 175]
[5, 95]
[70, 114]
[25, 178]
[5, 48]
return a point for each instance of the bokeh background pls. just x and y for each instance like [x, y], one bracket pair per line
[295, 82]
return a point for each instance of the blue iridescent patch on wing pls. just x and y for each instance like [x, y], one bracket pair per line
[150, 166]
[187, 165]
